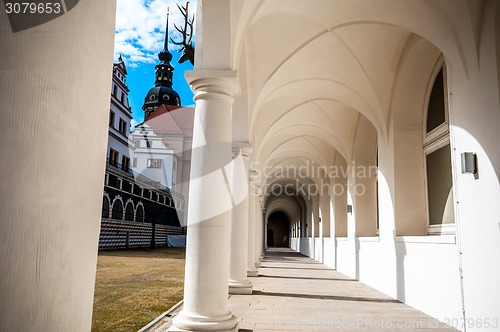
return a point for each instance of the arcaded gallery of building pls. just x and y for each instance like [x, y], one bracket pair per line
[367, 133]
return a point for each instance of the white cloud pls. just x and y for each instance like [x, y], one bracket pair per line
[133, 123]
[140, 28]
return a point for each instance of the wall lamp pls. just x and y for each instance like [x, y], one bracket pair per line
[349, 208]
[469, 163]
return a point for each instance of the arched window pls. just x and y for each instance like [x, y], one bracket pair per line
[105, 207]
[129, 212]
[117, 212]
[439, 181]
[139, 214]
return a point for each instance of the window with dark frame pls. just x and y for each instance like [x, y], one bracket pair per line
[129, 212]
[113, 157]
[123, 126]
[139, 214]
[117, 210]
[125, 163]
[111, 118]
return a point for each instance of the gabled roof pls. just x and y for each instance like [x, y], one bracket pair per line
[170, 119]
[121, 66]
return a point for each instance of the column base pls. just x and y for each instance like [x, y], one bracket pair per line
[240, 287]
[260, 259]
[184, 323]
[258, 264]
[252, 273]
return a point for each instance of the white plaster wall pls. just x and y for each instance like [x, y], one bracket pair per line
[165, 175]
[376, 264]
[318, 249]
[306, 247]
[426, 273]
[428, 277]
[475, 128]
[344, 256]
[55, 83]
[425, 276]
[329, 252]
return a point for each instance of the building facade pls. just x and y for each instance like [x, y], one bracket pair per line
[163, 151]
[138, 208]
[163, 141]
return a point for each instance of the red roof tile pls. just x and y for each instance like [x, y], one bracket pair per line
[170, 119]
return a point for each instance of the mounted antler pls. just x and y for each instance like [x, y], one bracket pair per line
[187, 46]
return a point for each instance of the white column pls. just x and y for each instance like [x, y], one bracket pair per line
[210, 204]
[252, 242]
[55, 87]
[238, 281]
[261, 231]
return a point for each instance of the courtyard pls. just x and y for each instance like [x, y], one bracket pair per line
[133, 287]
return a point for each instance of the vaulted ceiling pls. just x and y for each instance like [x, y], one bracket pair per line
[312, 71]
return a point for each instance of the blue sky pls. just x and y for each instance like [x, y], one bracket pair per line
[139, 36]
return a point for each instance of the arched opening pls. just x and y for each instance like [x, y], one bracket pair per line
[139, 214]
[105, 207]
[129, 212]
[278, 230]
[117, 211]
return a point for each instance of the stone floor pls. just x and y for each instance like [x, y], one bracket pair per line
[296, 293]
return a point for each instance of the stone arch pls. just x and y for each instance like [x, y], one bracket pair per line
[415, 78]
[278, 228]
[117, 208]
[139, 212]
[129, 210]
[463, 48]
[105, 205]
[364, 178]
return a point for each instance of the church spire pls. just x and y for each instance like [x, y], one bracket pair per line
[162, 92]
[164, 70]
[165, 44]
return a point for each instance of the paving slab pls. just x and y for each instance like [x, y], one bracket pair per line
[295, 293]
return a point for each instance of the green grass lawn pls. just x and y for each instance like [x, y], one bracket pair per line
[133, 287]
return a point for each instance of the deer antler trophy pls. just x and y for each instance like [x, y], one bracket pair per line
[186, 43]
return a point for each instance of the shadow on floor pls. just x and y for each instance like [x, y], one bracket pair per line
[325, 297]
[305, 278]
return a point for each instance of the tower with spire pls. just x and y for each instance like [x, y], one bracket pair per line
[162, 93]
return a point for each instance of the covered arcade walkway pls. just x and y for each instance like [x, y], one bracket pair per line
[295, 293]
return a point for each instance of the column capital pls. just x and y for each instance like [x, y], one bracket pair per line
[244, 147]
[213, 83]
[253, 175]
